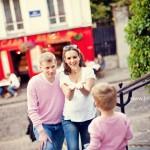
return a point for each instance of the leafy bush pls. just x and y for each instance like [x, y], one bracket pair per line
[100, 13]
[138, 37]
[101, 10]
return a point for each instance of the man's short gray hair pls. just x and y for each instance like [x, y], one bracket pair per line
[47, 57]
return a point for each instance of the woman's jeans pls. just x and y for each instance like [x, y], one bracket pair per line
[56, 134]
[72, 131]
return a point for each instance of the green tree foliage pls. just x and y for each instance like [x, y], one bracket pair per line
[138, 37]
[101, 10]
[100, 13]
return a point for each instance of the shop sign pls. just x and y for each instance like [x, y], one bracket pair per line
[50, 38]
[11, 43]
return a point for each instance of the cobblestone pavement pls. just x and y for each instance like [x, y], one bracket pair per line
[14, 122]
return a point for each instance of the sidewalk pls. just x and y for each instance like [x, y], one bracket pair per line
[115, 75]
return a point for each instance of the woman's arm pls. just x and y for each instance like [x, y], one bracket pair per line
[86, 87]
[68, 90]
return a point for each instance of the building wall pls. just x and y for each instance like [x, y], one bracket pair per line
[37, 24]
[77, 14]
[86, 13]
[2, 22]
[121, 19]
[38, 31]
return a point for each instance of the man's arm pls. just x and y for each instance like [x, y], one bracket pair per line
[33, 108]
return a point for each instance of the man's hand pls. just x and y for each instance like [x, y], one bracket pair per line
[43, 138]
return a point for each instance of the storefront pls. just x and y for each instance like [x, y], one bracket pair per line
[20, 55]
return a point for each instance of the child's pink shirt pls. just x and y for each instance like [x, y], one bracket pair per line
[110, 133]
[45, 101]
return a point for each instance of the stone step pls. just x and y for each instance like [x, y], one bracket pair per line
[22, 143]
[140, 148]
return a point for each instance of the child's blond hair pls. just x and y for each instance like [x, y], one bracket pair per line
[105, 96]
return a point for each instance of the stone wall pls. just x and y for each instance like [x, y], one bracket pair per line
[120, 17]
[111, 61]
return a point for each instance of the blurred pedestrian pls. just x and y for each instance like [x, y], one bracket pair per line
[100, 60]
[45, 101]
[112, 129]
[76, 82]
[14, 84]
[99, 66]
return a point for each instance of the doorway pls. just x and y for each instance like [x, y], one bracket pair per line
[20, 65]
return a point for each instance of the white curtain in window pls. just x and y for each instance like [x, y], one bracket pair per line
[56, 11]
[7, 11]
[13, 15]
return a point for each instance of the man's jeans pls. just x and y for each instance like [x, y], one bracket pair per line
[56, 134]
[72, 131]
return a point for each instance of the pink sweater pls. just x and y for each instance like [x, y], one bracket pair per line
[110, 133]
[45, 101]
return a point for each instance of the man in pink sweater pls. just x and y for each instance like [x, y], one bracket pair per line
[45, 102]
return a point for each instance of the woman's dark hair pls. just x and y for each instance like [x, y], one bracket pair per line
[67, 69]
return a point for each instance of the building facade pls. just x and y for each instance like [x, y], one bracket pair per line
[27, 28]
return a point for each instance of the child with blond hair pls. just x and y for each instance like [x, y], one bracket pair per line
[111, 130]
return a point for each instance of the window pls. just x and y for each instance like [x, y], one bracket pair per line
[56, 11]
[13, 15]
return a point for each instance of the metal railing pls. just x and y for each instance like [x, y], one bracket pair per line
[128, 89]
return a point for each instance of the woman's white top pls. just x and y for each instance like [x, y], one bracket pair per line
[80, 108]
